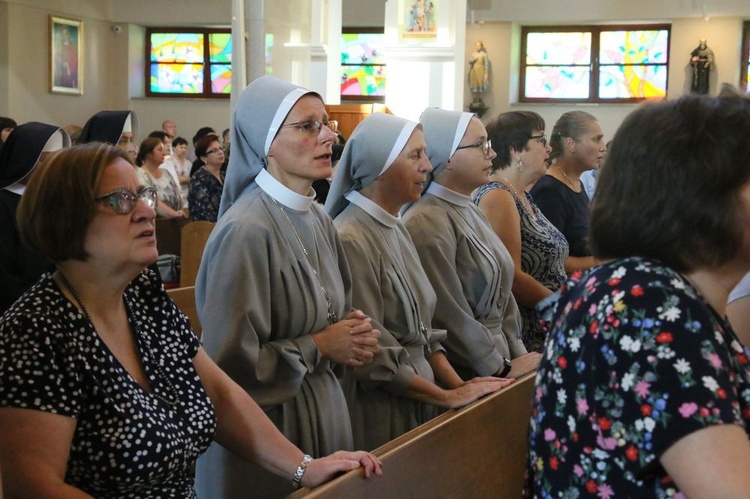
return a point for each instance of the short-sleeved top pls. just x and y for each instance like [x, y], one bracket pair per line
[180, 169]
[166, 187]
[543, 254]
[205, 195]
[567, 210]
[127, 442]
[742, 289]
[635, 360]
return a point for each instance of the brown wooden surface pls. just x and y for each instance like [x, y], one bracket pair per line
[168, 235]
[349, 115]
[478, 451]
[185, 300]
[193, 241]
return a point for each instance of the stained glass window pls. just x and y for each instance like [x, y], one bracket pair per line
[362, 66]
[189, 62]
[594, 63]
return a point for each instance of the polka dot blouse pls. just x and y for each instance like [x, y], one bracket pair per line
[127, 442]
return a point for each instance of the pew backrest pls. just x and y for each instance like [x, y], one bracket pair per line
[193, 242]
[478, 451]
[185, 300]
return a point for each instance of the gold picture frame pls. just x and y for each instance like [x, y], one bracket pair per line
[65, 56]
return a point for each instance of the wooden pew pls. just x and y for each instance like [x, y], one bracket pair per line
[168, 235]
[477, 451]
[349, 115]
[193, 241]
[185, 300]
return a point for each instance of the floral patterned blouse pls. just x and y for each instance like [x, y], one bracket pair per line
[205, 195]
[634, 361]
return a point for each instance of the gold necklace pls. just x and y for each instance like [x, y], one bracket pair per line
[568, 179]
[332, 317]
[520, 199]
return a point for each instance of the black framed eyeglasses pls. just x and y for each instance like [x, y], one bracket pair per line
[314, 126]
[211, 151]
[485, 146]
[540, 138]
[124, 201]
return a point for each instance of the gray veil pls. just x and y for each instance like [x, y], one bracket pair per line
[260, 111]
[370, 151]
[443, 131]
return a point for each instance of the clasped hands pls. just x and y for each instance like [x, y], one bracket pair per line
[351, 341]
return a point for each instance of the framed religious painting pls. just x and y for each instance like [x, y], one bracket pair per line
[66, 56]
[417, 20]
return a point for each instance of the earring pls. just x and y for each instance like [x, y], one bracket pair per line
[519, 165]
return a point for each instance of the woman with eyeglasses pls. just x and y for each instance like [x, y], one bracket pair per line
[538, 249]
[150, 157]
[383, 167]
[208, 181]
[577, 143]
[274, 289]
[105, 391]
[466, 263]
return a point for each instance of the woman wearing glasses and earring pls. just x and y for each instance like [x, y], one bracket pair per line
[466, 263]
[538, 249]
[105, 391]
[207, 183]
[273, 289]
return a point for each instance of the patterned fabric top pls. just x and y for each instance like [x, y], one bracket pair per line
[166, 187]
[205, 195]
[635, 360]
[182, 169]
[543, 254]
[127, 442]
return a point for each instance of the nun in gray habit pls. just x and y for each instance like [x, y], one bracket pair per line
[466, 262]
[383, 166]
[273, 288]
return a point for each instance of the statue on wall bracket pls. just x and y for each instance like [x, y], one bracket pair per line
[702, 60]
[479, 78]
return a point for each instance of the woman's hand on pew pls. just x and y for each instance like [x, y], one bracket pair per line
[472, 390]
[351, 341]
[524, 364]
[323, 469]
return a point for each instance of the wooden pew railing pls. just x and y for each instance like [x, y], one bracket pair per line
[169, 234]
[477, 451]
[185, 300]
[193, 242]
